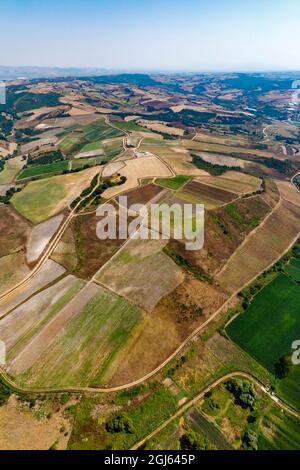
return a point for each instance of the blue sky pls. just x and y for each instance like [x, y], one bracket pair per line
[187, 35]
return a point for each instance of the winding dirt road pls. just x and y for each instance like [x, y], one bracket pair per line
[200, 395]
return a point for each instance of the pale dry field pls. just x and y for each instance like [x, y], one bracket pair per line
[225, 149]
[20, 429]
[134, 170]
[112, 168]
[180, 107]
[177, 157]
[222, 160]
[91, 153]
[48, 273]
[45, 198]
[161, 127]
[36, 113]
[239, 183]
[40, 236]
[142, 273]
[11, 169]
[13, 269]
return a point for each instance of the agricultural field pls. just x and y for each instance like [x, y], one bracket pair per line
[144, 194]
[161, 127]
[90, 252]
[293, 269]
[82, 163]
[225, 149]
[134, 170]
[85, 348]
[37, 429]
[39, 170]
[128, 126]
[88, 137]
[238, 183]
[264, 246]
[173, 183]
[206, 335]
[13, 269]
[40, 236]
[14, 231]
[129, 272]
[274, 311]
[11, 169]
[18, 328]
[196, 192]
[45, 198]
[47, 274]
[68, 142]
[178, 158]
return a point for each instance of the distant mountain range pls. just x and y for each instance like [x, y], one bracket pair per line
[14, 73]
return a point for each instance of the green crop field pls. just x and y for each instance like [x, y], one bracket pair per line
[9, 172]
[99, 130]
[37, 170]
[271, 323]
[173, 183]
[293, 269]
[41, 199]
[288, 388]
[85, 349]
[92, 146]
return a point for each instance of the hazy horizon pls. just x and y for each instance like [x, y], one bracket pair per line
[192, 36]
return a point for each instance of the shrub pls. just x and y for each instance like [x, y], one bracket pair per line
[120, 423]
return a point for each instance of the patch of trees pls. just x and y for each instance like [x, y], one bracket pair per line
[186, 117]
[25, 101]
[286, 167]
[47, 158]
[222, 225]
[288, 140]
[243, 392]
[253, 82]
[232, 120]
[120, 423]
[191, 440]
[250, 439]
[6, 126]
[27, 134]
[297, 181]
[186, 264]
[94, 193]
[216, 170]
[4, 393]
[9, 194]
